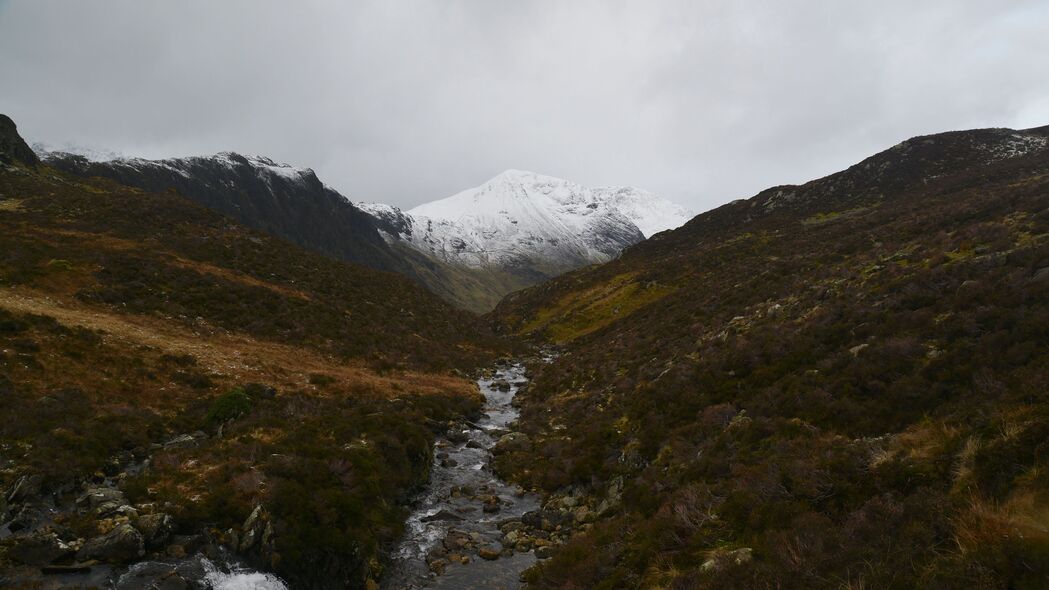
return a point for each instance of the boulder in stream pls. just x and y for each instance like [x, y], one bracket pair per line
[120, 545]
[512, 443]
[38, 548]
[445, 515]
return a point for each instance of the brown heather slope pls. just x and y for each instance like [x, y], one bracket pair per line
[843, 384]
[314, 388]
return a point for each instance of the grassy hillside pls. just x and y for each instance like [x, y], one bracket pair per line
[836, 385]
[209, 372]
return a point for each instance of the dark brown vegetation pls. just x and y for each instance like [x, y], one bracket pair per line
[314, 388]
[843, 384]
[303, 211]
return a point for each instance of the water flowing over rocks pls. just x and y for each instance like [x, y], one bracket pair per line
[136, 546]
[468, 527]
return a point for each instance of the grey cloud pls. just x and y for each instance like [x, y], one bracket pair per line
[409, 101]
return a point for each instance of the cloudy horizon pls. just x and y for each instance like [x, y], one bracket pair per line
[408, 102]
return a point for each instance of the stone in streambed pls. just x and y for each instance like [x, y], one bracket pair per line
[513, 442]
[38, 548]
[120, 545]
[456, 541]
[155, 528]
[545, 552]
[444, 515]
[438, 566]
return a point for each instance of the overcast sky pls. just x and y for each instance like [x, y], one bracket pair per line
[404, 102]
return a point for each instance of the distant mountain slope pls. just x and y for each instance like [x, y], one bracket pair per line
[529, 225]
[13, 149]
[472, 262]
[838, 384]
[282, 200]
[224, 391]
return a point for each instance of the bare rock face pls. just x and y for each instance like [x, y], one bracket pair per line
[38, 548]
[513, 442]
[12, 147]
[121, 545]
[155, 528]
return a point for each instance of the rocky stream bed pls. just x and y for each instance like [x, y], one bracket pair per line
[470, 529]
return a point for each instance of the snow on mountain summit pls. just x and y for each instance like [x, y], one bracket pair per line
[511, 189]
[524, 221]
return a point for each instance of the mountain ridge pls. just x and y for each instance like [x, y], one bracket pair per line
[467, 265]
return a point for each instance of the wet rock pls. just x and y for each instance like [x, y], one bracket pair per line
[232, 539]
[473, 445]
[614, 496]
[437, 552]
[457, 436]
[253, 518]
[513, 442]
[583, 515]
[155, 528]
[102, 500]
[267, 535]
[438, 566]
[189, 543]
[120, 545]
[511, 539]
[114, 511]
[489, 553]
[153, 575]
[501, 385]
[492, 504]
[442, 515]
[546, 520]
[253, 528]
[38, 548]
[511, 525]
[545, 552]
[449, 463]
[65, 570]
[456, 541]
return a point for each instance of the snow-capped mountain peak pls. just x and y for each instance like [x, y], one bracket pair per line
[532, 223]
[513, 189]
